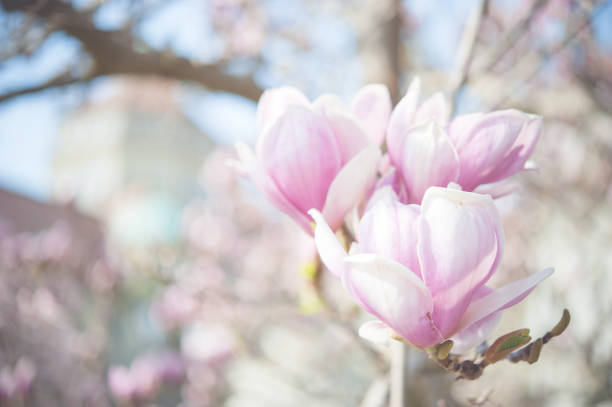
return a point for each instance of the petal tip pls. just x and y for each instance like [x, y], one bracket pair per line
[376, 332]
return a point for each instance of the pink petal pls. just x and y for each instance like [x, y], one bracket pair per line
[372, 105]
[328, 101]
[351, 137]
[477, 332]
[433, 108]
[247, 165]
[428, 159]
[502, 298]
[394, 294]
[389, 228]
[460, 243]
[273, 103]
[350, 185]
[493, 146]
[301, 154]
[400, 121]
[330, 250]
[498, 189]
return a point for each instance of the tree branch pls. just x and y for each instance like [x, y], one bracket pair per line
[56, 82]
[465, 51]
[574, 28]
[503, 45]
[118, 52]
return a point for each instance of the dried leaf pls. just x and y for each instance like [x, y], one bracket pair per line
[534, 352]
[562, 324]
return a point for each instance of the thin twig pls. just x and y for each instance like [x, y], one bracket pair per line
[503, 46]
[580, 25]
[465, 52]
[473, 369]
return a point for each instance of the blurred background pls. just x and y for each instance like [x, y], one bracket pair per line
[137, 270]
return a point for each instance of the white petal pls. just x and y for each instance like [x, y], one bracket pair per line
[506, 296]
[273, 103]
[330, 250]
[428, 159]
[376, 332]
[350, 185]
[372, 105]
[394, 294]
[401, 120]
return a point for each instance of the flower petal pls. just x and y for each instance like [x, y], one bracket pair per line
[247, 165]
[330, 250]
[394, 294]
[372, 105]
[477, 332]
[428, 159]
[502, 298]
[328, 101]
[460, 243]
[388, 228]
[493, 146]
[351, 137]
[350, 185]
[376, 332]
[400, 121]
[498, 189]
[433, 108]
[301, 154]
[273, 103]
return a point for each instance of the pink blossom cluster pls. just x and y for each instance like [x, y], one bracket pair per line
[143, 379]
[428, 236]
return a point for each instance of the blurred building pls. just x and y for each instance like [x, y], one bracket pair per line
[132, 161]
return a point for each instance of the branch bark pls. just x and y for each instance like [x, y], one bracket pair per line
[465, 52]
[119, 52]
[575, 27]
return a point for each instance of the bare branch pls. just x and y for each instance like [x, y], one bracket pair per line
[465, 52]
[504, 44]
[56, 82]
[118, 52]
[575, 28]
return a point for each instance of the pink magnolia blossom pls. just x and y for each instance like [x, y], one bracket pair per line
[472, 150]
[316, 155]
[422, 270]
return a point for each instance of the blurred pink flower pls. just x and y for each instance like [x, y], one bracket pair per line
[422, 270]
[120, 382]
[16, 382]
[472, 150]
[315, 155]
[175, 307]
[142, 379]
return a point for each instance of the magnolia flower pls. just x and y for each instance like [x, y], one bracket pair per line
[472, 150]
[316, 155]
[422, 270]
